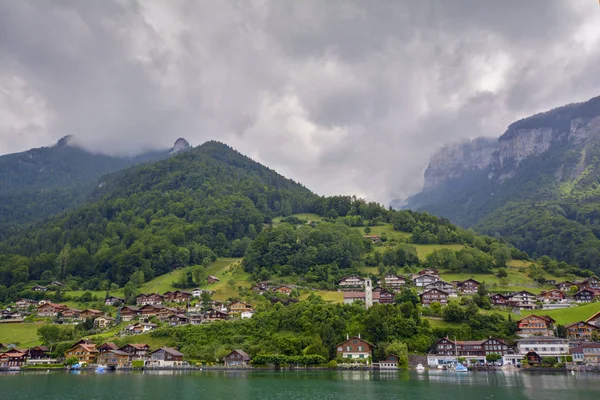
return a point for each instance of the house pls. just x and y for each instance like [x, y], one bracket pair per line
[136, 351]
[584, 296]
[237, 307]
[129, 312]
[104, 322]
[522, 300]
[237, 358]
[178, 296]
[469, 286]
[544, 346]
[554, 295]
[535, 325]
[373, 238]
[586, 353]
[532, 358]
[429, 271]
[113, 301]
[247, 314]
[56, 283]
[150, 310]
[581, 330]
[13, 358]
[594, 319]
[72, 314]
[590, 283]
[11, 316]
[107, 346]
[165, 357]
[197, 292]
[38, 353]
[440, 285]
[38, 288]
[351, 283]
[175, 319]
[446, 351]
[499, 300]
[351, 297]
[50, 309]
[260, 287]
[355, 347]
[564, 286]
[114, 359]
[425, 279]
[24, 304]
[214, 315]
[83, 352]
[149, 299]
[434, 295]
[389, 362]
[140, 327]
[212, 279]
[385, 296]
[394, 282]
[90, 313]
[284, 290]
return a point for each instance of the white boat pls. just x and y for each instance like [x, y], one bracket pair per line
[460, 368]
[420, 367]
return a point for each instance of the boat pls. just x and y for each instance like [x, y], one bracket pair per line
[100, 369]
[420, 367]
[460, 368]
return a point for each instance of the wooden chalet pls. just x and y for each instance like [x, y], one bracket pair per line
[104, 322]
[389, 362]
[237, 358]
[83, 352]
[72, 314]
[394, 282]
[114, 359]
[355, 347]
[50, 309]
[175, 319]
[136, 351]
[178, 296]
[90, 313]
[129, 312]
[434, 295]
[107, 346]
[469, 348]
[39, 288]
[429, 271]
[213, 314]
[585, 296]
[38, 353]
[499, 300]
[564, 286]
[594, 319]
[581, 330]
[590, 283]
[351, 283]
[113, 301]
[212, 279]
[535, 325]
[522, 300]
[149, 299]
[385, 296]
[237, 307]
[13, 358]
[425, 279]
[24, 304]
[554, 295]
[440, 285]
[284, 290]
[140, 327]
[469, 286]
[165, 357]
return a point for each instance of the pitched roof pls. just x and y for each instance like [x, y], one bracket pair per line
[109, 345]
[169, 350]
[357, 338]
[581, 322]
[244, 355]
[593, 317]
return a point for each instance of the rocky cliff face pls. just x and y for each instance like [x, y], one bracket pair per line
[454, 161]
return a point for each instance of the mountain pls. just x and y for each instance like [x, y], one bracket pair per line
[44, 181]
[197, 204]
[538, 185]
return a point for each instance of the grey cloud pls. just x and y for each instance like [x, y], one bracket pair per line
[343, 96]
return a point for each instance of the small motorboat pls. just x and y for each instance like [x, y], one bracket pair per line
[460, 368]
[420, 368]
[100, 369]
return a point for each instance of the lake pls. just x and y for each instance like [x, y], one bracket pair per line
[288, 385]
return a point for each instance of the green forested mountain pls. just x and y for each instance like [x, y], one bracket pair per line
[539, 189]
[45, 181]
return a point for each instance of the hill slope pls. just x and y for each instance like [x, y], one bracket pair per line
[539, 188]
[44, 181]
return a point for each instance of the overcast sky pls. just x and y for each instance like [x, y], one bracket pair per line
[347, 97]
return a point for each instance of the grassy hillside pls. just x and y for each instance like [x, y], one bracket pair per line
[22, 335]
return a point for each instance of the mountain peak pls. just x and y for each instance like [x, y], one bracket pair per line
[180, 145]
[65, 141]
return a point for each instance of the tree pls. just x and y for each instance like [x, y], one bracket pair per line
[49, 334]
[492, 357]
[137, 279]
[561, 331]
[502, 273]
[401, 350]
[501, 256]
[453, 312]
[367, 229]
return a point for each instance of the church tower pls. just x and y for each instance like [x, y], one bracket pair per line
[368, 293]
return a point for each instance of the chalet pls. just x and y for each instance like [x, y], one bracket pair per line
[139, 327]
[114, 359]
[581, 330]
[197, 292]
[237, 358]
[594, 320]
[355, 347]
[373, 238]
[389, 362]
[425, 279]
[175, 319]
[103, 322]
[584, 296]
[247, 314]
[129, 312]
[90, 313]
[214, 315]
[532, 358]
[564, 286]
[11, 316]
[590, 283]
[586, 353]
[385, 296]
[13, 358]
[522, 300]
[499, 300]
[544, 346]
[351, 283]
[554, 295]
[38, 353]
[284, 290]
[446, 350]
[429, 271]
[113, 301]
[56, 283]
[38, 288]
[50, 309]
[72, 314]
[178, 296]
[260, 287]
[136, 351]
[149, 299]
[24, 304]
[534, 325]
[434, 295]
[84, 353]
[107, 346]
[212, 279]
[237, 307]
[165, 357]
[158, 310]
[469, 286]
[394, 282]
[440, 285]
